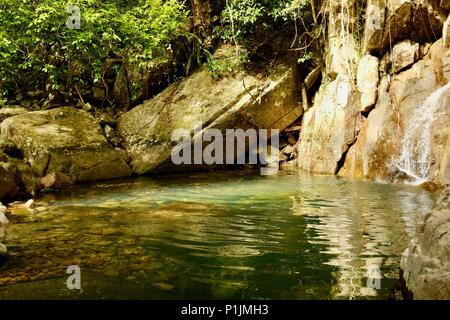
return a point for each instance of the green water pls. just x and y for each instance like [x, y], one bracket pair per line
[225, 235]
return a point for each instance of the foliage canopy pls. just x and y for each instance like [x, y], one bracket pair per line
[38, 50]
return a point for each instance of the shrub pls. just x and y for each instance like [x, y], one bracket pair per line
[38, 51]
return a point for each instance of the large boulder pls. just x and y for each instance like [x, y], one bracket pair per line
[408, 132]
[330, 127]
[65, 140]
[426, 262]
[242, 101]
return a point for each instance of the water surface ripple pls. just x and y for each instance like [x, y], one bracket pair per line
[227, 235]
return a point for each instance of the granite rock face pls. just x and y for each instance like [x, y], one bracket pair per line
[390, 21]
[410, 121]
[329, 128]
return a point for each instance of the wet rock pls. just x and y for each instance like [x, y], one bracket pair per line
[65, 140]
[404, 54]
[56, 180]
[426, 262]
[367, 81]
[243, 101]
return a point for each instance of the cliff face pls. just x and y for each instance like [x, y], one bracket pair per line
[382, 111]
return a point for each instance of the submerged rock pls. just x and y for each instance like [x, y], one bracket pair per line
[3, 218]
[65, 140]
[426, 263]
[3, 254]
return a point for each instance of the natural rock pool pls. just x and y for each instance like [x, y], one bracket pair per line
[233, 235]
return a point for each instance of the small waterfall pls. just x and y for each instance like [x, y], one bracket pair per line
[414, 159]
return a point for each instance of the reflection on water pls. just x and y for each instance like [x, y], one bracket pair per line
[215, 235]
[363, 227]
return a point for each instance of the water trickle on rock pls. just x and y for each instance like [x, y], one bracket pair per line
[415, 156]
